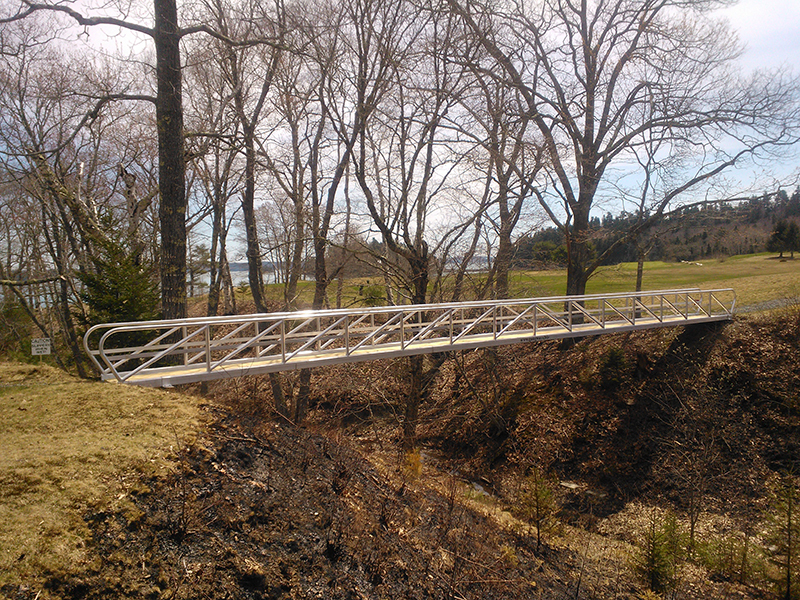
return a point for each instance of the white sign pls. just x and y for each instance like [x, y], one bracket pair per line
[40, 346]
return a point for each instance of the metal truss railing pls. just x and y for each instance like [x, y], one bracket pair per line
[185, 350]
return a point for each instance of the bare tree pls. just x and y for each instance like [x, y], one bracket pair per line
[276, 220]
[213, 138]
[81, 180]
[405, 158]
[166, 34]
[169, 119]
[219, 181]
[513, 161]
[600, 78]
[249, 88]
[288, 161]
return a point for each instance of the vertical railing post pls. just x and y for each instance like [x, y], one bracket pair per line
[347, 335]
[402, 330]
[208, 347]
[184, 333]
[494, 322]
[283, 340]
[451, 325]
[535, 319]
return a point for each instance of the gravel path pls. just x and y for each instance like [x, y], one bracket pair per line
[768, 305]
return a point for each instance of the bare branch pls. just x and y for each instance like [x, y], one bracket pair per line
[78, 17]
[277, 45]
[24, 282]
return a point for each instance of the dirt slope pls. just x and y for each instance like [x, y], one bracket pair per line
[627, 414]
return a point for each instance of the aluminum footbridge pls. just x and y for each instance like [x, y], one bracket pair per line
[166, 353]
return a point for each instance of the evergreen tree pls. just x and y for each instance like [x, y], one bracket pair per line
[538, 502]
[793, 238]
[785, 237]
[120, 290]
[658, 555]
[793, 207]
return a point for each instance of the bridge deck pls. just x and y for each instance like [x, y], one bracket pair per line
[217, 347]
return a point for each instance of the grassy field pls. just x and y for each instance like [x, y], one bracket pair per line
[70, 448]
[755, 278]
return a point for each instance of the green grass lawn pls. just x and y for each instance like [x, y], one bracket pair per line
[755, 278]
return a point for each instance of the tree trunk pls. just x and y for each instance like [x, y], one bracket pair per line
[214, 284]
[320, 273]
[58, 253]
[640, 269]
[419, 277]
[255, 275]
[303, 390]
[578, 251]
[576, 273]
[171, 162]
[135, 209]
[279, 397]
[228, 291]
[412, 402]
[296, 265]
[253, 252]
[419, 274]
[505, 252]
[215, 271]
[458, 285]
[504, 248]
[69, 329]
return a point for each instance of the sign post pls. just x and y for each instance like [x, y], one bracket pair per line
[40, 347]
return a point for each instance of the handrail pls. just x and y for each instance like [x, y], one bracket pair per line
[211, 347]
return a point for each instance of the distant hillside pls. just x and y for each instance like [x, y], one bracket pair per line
[713, 230]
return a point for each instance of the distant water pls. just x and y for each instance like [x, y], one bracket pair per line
[239, 276]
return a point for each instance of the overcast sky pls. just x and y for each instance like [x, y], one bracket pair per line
[771, 31]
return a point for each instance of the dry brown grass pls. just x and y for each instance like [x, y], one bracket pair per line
[70, 447]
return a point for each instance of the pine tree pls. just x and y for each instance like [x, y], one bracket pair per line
[659, 552]
[538, 502]
[121, 289]
[792, 238]
[779, 239]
